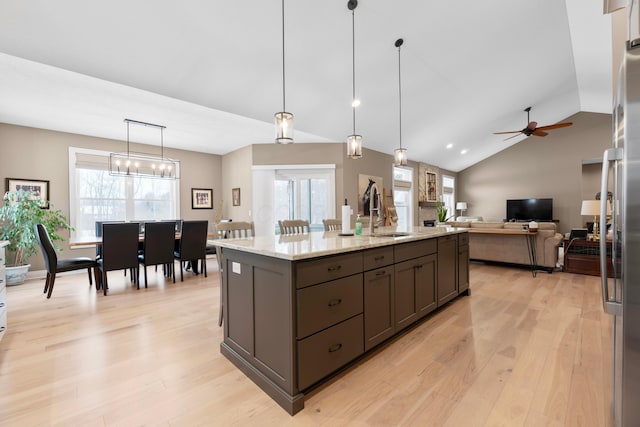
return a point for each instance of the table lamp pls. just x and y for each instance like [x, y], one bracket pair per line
[461, 206]
[592, 207]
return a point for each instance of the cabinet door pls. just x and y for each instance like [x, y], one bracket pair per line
[405, 305]
[426, 278]
[463, 268]
[378, 306]
[447, 268]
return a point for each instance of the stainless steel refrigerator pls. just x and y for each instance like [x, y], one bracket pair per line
[621, 176]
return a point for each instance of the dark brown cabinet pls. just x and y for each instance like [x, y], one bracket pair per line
[447, 268]
[463, 263]
[415, 281]
[291, 323]
[378, 306]
[378, 295]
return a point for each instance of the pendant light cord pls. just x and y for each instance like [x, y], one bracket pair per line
[400, 94]
[283, 87]
[353, 61]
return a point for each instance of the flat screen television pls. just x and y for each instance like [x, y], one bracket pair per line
[530, 210]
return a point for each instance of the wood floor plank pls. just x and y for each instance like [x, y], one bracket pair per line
[520, 351]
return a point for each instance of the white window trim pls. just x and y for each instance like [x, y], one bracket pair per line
[72, 181]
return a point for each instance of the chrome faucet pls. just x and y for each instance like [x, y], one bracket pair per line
[374, 195]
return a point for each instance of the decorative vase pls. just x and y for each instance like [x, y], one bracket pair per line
[16, 275]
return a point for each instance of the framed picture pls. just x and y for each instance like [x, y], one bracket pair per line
[235, 195]
[201, 198]
[39, 189]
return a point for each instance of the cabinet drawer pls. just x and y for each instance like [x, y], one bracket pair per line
[329, 350]
[378, 257]
[324, 305]
[412, 250]
[463, 239]
[329, 268]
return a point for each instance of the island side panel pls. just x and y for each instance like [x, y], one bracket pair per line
[258, 315]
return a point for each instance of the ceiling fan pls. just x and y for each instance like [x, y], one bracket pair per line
[533, 129]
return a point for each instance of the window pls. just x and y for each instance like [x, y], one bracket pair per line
[292, 192]
[304, 195]
[403, 196]
[449, 195]
[97, 196]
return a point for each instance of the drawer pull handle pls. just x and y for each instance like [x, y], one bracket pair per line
[1, 304]
[335, 348]
[2, 328]
[334, 268]
[419, 266]
[334, 302]
[379, 258]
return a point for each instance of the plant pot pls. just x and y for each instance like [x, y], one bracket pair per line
[16, 275]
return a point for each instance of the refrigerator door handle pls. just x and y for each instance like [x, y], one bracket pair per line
[610, 305]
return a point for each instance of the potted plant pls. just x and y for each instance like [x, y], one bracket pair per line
[441, 211]
[18, 216]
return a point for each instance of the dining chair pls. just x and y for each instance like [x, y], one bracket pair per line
[192, 246]
[119, 251]
[332, 224]
[55, 265]
[229, 230]
[158, 247]
[294, 226]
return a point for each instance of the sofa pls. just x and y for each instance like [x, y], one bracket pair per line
[512, 249]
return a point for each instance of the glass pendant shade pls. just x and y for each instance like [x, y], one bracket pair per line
[284, 127]
[354, 146]
[400, 157]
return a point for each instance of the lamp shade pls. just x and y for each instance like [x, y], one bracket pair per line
[461, 206]
[592, 207]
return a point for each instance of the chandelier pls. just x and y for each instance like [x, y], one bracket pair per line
[131, 164]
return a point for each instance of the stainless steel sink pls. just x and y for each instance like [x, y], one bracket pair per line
[391, 234]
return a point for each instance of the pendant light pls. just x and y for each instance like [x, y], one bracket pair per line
[400, 154]
[143, 165]
[284, 120]
[354, 142]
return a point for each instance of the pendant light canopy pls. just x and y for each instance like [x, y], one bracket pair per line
[284, 120]
[400, 154]
[144, 165]
[354, 141]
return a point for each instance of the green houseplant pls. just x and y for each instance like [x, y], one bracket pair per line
[18, 216]
[441, 211]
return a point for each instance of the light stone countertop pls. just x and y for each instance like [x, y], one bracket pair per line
[322, 243]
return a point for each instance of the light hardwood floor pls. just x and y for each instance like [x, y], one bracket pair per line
[520, 351]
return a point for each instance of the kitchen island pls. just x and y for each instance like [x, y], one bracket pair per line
[299, 308]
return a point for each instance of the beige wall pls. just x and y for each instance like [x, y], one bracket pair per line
[539, 167]
[42, 154]
[236, 173]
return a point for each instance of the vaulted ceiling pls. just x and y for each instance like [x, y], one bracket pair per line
[211, 71]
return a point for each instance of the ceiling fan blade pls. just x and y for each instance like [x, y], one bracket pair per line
[538, 132]
[511, 131]
[532, 126]
[556, 126]
[510, 137]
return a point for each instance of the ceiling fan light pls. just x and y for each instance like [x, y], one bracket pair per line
[400, 157]
[354, 146]
[284, 127]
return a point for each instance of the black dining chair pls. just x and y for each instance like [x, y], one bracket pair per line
[158, 247]
[119, 251]
[193, 246]
[55, 265]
